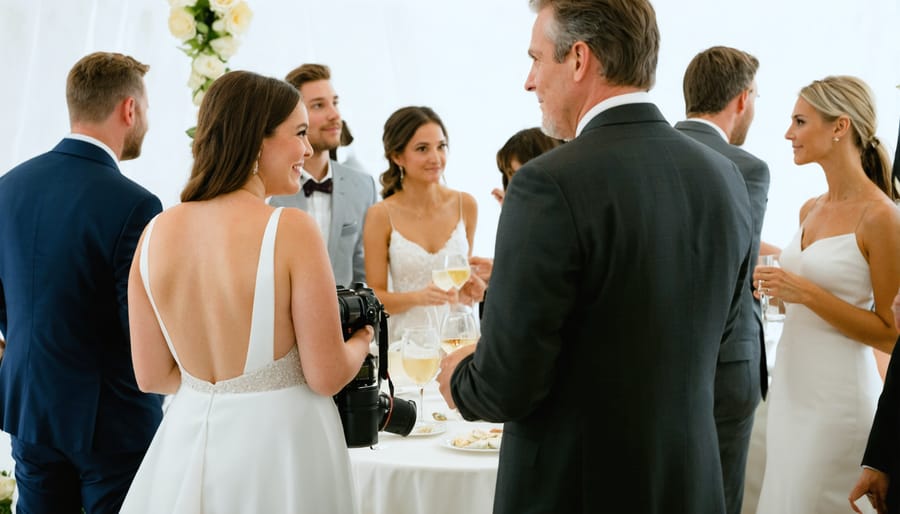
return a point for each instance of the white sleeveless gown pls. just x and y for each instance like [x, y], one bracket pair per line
[259, 442]
[824, 391]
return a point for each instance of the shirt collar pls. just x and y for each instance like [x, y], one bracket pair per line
[713, 125]
[640, 97]
[304, 175]
[95, 142]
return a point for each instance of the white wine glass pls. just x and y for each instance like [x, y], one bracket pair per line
[460, 328]
[421, 356]
[451, 271]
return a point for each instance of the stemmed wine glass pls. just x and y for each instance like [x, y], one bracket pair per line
[451, 271]
[459, 329]
[421, 356]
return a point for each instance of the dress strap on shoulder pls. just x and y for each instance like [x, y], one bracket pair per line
[145, 278]
[261, 348]
[461, 218]
[388, 210]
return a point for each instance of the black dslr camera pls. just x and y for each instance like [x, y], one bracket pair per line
[364, 409]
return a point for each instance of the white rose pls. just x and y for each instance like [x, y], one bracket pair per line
[225, 46]
[219, 26]
[237, 20]
[222, 6]
[182, 3]
[209, 66]
[196, 80]
[182, 24]
[7, 486]
[198, 97]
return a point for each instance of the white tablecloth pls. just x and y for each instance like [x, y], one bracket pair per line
[419, 475]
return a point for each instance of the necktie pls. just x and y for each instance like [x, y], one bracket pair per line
[311, 185]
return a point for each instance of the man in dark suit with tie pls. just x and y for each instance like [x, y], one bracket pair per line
[719, 96]
[69, 224]
[881, 462]
[619, 264]
[336, 196]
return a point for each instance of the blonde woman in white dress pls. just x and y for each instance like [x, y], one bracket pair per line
[837, 279]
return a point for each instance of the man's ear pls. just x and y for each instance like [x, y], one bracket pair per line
[741, 101]
[580, 54]
[129, 110]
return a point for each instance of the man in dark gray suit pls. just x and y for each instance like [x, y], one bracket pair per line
[336, 196]
[620, 262]
[719, 95]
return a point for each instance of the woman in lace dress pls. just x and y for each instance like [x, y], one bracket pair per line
[838, 277]
[418, 222]
[233, 308]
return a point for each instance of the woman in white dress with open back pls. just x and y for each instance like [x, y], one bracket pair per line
[233, 308]
[837, 279]
[418, 222]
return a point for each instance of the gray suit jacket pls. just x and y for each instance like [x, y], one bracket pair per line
[620, 261]
[747, 342]
[353, 194]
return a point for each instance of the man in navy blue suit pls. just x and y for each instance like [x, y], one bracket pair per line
[69, 224]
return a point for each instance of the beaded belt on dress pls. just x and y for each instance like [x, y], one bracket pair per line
[280, 374]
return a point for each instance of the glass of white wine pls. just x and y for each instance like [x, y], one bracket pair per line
[460, 328]
[421, 356]
[451, 271]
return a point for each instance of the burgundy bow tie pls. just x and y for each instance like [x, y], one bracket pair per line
[311, 185]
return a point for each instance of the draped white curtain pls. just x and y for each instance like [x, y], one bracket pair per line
[466, 59]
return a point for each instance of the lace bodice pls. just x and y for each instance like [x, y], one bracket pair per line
[410, 269]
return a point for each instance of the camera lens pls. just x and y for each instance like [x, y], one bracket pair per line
[399, 420]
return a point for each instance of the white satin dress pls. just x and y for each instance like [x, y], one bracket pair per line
[259, 442]
[824, 391]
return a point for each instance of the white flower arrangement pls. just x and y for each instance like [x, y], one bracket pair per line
[209, 31]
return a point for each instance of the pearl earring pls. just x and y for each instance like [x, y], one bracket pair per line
[401, 172]
[255, 167]
[836, 139]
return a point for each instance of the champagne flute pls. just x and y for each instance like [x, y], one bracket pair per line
[458, 269]
[458, 329]
[421, 356]
[770, 309]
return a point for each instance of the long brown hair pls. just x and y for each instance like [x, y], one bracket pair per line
[399, 128]
[523, 146]
[238, 111]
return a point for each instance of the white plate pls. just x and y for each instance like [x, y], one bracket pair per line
[448, 443]
[422, 431]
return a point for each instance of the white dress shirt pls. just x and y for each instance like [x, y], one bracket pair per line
[319, 203]
[96, 142]
[641, 97]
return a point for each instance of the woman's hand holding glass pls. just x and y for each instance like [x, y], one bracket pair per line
[764, 278]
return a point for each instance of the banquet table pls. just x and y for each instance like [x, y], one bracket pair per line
[424, 474]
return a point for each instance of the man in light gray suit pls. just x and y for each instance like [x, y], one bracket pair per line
[719, 94]
[336, 196]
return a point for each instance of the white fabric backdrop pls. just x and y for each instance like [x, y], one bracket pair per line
[466, 59]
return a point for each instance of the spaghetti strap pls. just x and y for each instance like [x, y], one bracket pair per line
[460, 207]
[862, 215]
[390, 220]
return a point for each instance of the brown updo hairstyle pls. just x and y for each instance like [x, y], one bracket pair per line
[239, 110]
[399, 128]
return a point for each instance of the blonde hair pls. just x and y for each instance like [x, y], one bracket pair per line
[843, 95]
